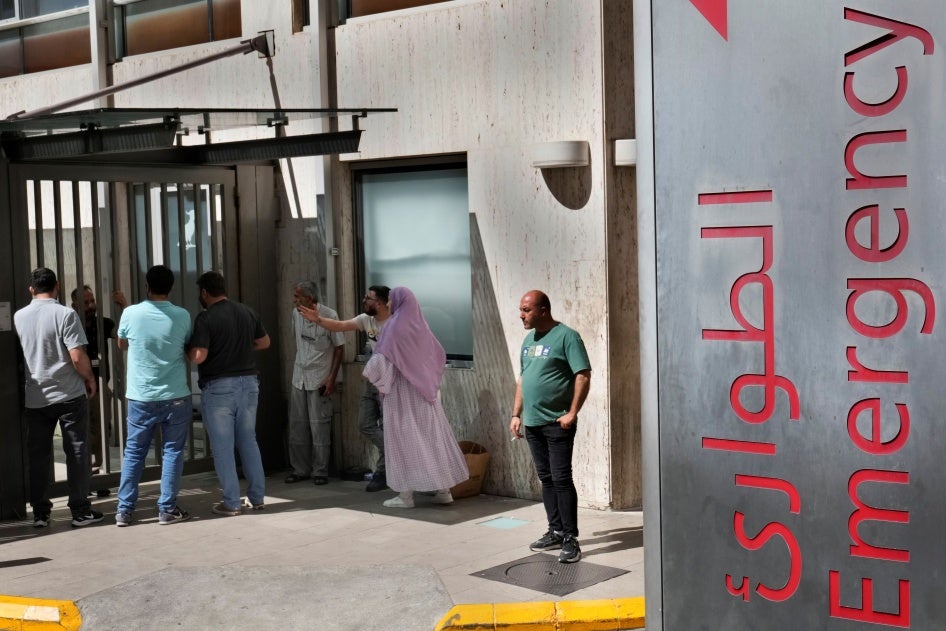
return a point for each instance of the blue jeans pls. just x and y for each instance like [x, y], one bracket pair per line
[229, 410]
[552, 453]
[173, 416]
[73, 418]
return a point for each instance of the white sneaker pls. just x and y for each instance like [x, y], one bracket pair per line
[401, 501]
[442, 497]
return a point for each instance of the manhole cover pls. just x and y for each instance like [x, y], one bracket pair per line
[543, 573]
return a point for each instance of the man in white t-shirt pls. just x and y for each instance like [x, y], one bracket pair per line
[375, 306]
[318, 358]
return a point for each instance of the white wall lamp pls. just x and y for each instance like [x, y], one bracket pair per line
[561, 153]
[625, 152]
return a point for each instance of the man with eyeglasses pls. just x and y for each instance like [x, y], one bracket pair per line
[318, 357]
[370, 423]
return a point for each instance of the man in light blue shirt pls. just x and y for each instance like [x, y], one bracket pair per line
[155, 333]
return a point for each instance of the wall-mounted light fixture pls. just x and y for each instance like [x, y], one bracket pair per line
[625, 152]
[561, 153]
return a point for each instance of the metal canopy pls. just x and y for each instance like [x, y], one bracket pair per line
[143, 135]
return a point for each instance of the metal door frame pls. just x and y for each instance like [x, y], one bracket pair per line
[112, 176]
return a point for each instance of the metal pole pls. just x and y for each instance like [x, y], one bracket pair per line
[647, 280]
[260, 43]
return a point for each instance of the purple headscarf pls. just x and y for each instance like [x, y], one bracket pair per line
[407, 342]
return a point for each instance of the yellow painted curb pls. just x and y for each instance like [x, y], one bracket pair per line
[37, 614]
[569, 615]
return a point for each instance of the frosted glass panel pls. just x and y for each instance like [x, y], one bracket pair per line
[416, 231]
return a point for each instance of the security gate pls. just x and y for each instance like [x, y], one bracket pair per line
[100, 229]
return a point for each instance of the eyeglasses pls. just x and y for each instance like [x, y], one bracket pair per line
[369, 298]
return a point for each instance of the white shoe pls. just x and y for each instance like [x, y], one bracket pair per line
[442, 497]
[401, 501]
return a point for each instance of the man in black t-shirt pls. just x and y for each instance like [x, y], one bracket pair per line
[225, 337]
[87, 309]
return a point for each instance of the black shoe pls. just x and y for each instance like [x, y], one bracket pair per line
[92, 517]
[172, 516]
[571, 552]
[319, 480]
[40, 520]
[103, 493]
[292, 479]
[379, 482]
[549, 541]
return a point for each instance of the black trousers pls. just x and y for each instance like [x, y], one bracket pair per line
[73, 418]
[552, 454]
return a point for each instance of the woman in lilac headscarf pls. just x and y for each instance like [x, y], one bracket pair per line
[420, 450]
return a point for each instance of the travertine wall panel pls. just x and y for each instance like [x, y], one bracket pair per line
[623, 294]
[491, 79]
[39, 89]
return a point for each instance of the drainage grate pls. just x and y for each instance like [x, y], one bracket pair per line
[543, 573]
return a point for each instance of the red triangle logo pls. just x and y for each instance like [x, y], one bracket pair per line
[716, 13]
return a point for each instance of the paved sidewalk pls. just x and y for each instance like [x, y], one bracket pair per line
[328, 557]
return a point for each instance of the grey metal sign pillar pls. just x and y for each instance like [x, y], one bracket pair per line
[792, 177]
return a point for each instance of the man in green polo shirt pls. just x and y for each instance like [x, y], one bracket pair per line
[555, 376]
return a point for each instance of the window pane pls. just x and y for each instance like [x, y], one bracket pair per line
[300, 15]
[369, 7]
[7, 11]
[11, 60]
[227, 23]
[32, 8]
[416, 231]
[163, 24]
[57, 44]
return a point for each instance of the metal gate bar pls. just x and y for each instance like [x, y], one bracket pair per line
[51, 186]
